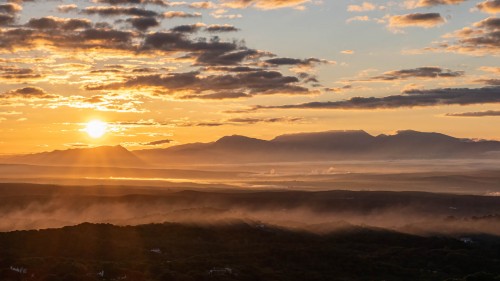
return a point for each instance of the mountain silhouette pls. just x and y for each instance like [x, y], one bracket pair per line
[330, 145]
[317, 146]
[103, 156]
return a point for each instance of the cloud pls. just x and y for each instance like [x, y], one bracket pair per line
[8, 113]
[180, 14]
[115, 103]
[143, 23]
[219, 95]
[27, 93]
[409, 98]
[14, 72]
[488, 113]
[339, 89]
[483, 38]
[213, 52]
[110, 102]
[425, 20]
[213, 68]
[10, 8]
[347, 52]
[155, 143]
[59, 23]
[240, 121]
[263, 4]
[491, 82]
[133, 2]
[222, 14]
[6, 19]
[221, 28]
[255, 120]
[188, 28]
[293, 61]
[203, 5]
[358, 18]
[411, 4]
[490, 7]
[67, 8]
[117, 11]
[428, 72]
[195, 85]
[366, 6]
[490, 69]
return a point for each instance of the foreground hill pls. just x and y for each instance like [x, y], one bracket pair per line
[331, 145]
[242, 251]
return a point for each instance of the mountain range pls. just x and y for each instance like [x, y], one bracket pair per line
[319, 146]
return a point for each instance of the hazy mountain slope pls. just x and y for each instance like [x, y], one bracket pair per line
[331, 145]
[104, 156]
[319, 146]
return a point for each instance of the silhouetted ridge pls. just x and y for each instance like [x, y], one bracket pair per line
[237, 141]
[326, 146]
[317, 146]
[347, 140]
[102, 156]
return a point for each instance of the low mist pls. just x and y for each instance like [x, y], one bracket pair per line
[319, 213]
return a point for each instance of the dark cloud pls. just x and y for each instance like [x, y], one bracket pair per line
[241, 121]
[6, 19]
[221, 28]
[410, 98]
[27, 93]
[482, 38]
[491, 6]
[420, 72]
[488, 113]
[10, 8]
[143, 23]
[205, 52]
[232, 68]
[231, 61]
[158, 142]
[293, 61]
[133, 2]
[96, 37]
[212, 86]
[425, 20]
[74, 34]
[59, 23]
[219, 96]
[13, 72]
[118, 11]
[187, 28]
[489, 24]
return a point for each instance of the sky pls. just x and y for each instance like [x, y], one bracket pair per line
[162, 73]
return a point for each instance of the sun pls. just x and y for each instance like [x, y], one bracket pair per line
[96, 128]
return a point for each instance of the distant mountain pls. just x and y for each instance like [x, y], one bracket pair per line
[103, 156]
[319, 146]
[330, 145]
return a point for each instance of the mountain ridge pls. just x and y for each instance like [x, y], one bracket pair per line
[314, 146]
[326, 145]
